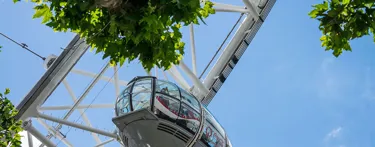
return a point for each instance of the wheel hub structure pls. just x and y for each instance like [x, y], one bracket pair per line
[73, 103]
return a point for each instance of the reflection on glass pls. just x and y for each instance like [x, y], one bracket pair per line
[188, 118]
[142, 85]
[167, 107]
[167, 88]
[141, 94]
[229, 144]
[190, 100]
[211, 136]
[214, 122]
[141, 100]
[122, 105]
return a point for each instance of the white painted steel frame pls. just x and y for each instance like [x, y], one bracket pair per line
[55, 133]
[97, 106]
[82, 112]
[30, 139]
[104, 78]
[64, 64]
[79, 126]
[27, 125]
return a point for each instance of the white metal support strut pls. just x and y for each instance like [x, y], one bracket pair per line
[82, 112]
[27, 125]
[83, 96]
[55, 133]
[252, 9]
[165, 75]
[219, 7]
[192, 45]
[30, 139]
[176, 75]
[203, 91]
[93, 75]
[117, 81]
[68, 123]
[43, 108]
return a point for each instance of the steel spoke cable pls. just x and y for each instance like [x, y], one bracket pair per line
[24, 46]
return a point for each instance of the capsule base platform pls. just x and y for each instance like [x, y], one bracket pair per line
[142, 128]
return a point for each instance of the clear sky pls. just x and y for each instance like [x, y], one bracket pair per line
[286, 90]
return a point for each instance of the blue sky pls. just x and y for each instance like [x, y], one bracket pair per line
[286, 90]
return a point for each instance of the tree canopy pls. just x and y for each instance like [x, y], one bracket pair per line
[342, 21]
[127, 29]
[9, 126]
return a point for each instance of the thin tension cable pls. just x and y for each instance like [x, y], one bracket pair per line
[218, 50]
[23, 45]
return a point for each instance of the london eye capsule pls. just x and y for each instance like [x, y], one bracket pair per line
[158, 113]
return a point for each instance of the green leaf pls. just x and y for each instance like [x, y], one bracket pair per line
[342, 21]
[314, 13]
[10, 127]
[42, 11]
[144, 30]
[345, 2]
[7, 91]
[83, 5]
[332, 13]
[320, 7]
[63, 4]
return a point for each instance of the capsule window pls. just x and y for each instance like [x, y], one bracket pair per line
[122, 104]
[141, 93]
[190, 100]
[188, 118]
[213, 133]
[211, 137]
[167, 88]
[167, 107]
[142, 85]
[211, 119]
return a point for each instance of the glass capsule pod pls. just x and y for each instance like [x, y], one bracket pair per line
[158, 113]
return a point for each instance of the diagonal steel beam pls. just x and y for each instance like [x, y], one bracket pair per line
[52, 78]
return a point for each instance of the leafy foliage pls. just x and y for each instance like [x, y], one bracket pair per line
[342, 21]
[9, 126]
[127, 29]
